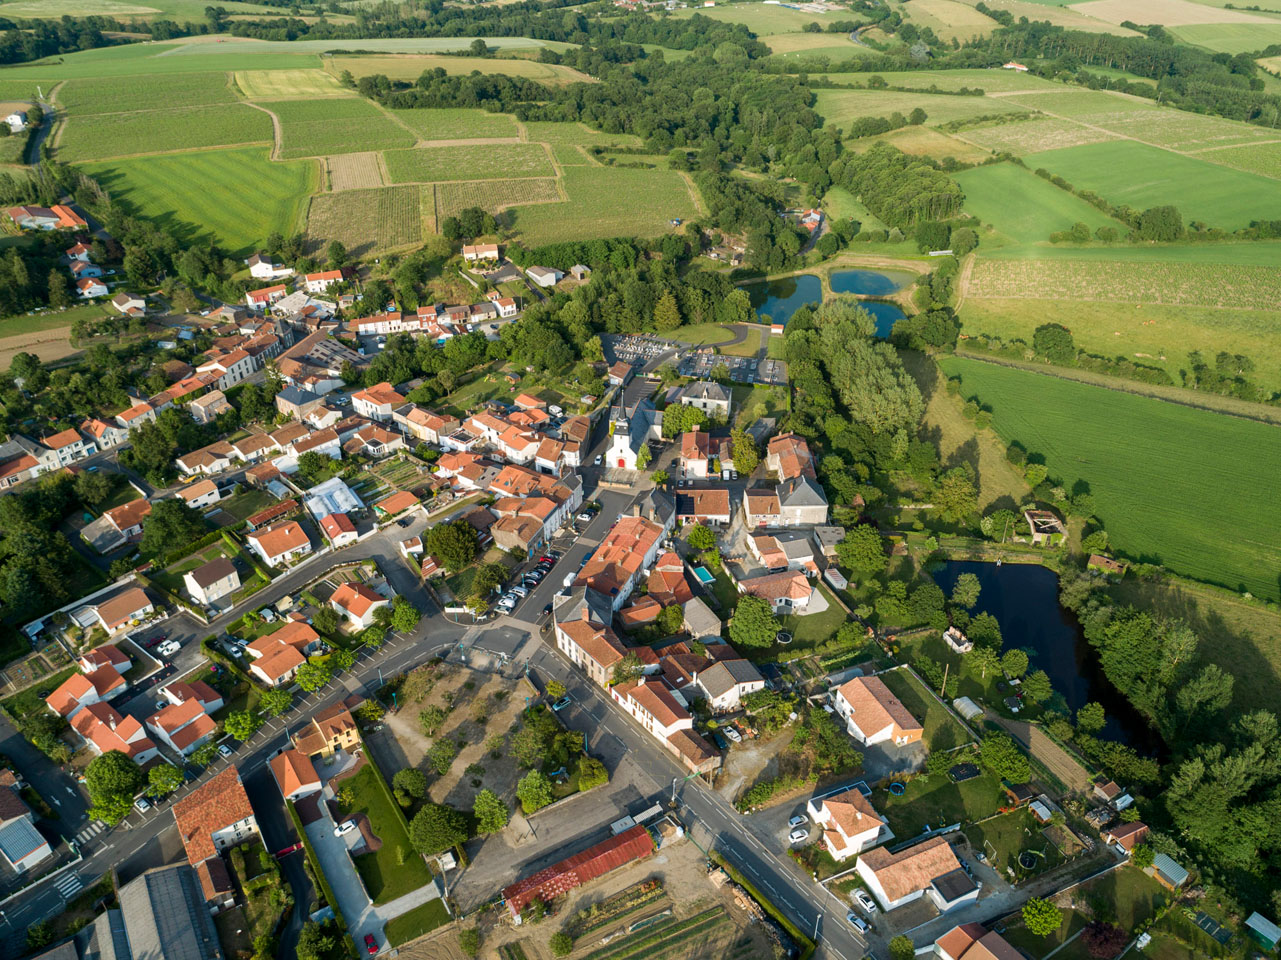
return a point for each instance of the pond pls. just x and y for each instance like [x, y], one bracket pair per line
[1024, 599]
[869, 283]
[884, 313]
[779, 299]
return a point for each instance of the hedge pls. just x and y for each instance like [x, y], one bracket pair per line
[319, 874]
[250, 557]
[173, 556]
[807, 945]
[213, 653]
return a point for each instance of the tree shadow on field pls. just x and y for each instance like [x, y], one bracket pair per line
[966, 453]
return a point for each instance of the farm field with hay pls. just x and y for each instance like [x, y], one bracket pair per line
[289, 84]
[243, 196]
[155, 92]
[367, 220]
[1231, 38]
[313, 128]
[1126, 172]
[841, 107]
[923, 142]
[451, 123]
[608, 202]
[1032, 135]
[1024, 207]
[1149, 465]
[493, 195]
[950, 19]
[1060, 14]
[158, 131]
[431, 164]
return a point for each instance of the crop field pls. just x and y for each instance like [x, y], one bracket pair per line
[1124, 171]
[1024, 207]
[431, 164]
[1155, 335]
[1261, 158]
[834, 46]
[289, 84]
[243, 196]
[949, 19]
[450, 123]
[411, 67]
[1172, 484]
[493, 195]
[312, 128]
[1033, 135]
[154, 92]
[989, 81]
[1231, 38]
[157, 131]
[566, 139]
[1173, 284]
[1169, 13]
[762, 19]
[618, 202]
[136, 60]
[842, 106]
[354, 171]
[177, 10]
[924, 141]
[1059, 14]
[367, 220]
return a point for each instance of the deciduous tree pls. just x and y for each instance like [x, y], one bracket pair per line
[534, 791]
[491, 813]
[753, 623]
[436, 828]
[1041, 917]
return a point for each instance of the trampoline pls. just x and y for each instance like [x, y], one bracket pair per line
[897, 788]
[1026, 860]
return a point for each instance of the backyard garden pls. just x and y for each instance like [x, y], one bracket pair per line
[393, 869]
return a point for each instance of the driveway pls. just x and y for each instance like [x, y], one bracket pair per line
[882, 759]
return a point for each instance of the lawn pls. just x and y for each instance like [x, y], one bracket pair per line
[1150, 465]
[136, 59]
[312, 128]
[172, 577]
[701, 334]
[1023, 206]
[752, 403]
[243, 196]
[159, 131]
[1003, 838]
[937, 802]
[246, 503]
[942, 732]
[429, 164]
[1038, 947]
[385, 878]
[1142, 176]
[129, 94]
[416, 922]
[29, 702]
[458, 123]
[843, 106]
[814, 628]
[364, 221]
[608, 202]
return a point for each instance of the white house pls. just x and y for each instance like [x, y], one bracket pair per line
[214, 816]
[202, 493]
[850, 823]
[20, 842]
[212, 581]
[264, 267]
[264, 297]
[129, 303]
[480, 251]
[726, 682]
[928, 869]
[545, 276]
[358, 603]
[339, 529]
[231, 367]
[281, 543]
[320, 282]
[88, 288]
[708, 396]
[183, 727]
[376, 402]
[17, 121]
[874, 715]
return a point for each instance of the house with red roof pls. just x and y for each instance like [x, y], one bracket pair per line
[696, 453]
[358, 602]
[654, 707]
[850, 823]
[263, 298]
[376, 402]
[281, 543]
[339, 528]
[103, 729]
[320, 282]
[873, 714]
[126, 607]
[277, 656]
[973, 941]
[786, 592]
[213, 817]
[183, 726]
[927, 869]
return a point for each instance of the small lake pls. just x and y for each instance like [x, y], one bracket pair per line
[1024, 599]
[779, 299]
[869, 283]
[884, 313]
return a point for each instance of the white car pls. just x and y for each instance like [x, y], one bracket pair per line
[600, 458]
[857, 922]
[141, 805]
[347, 826]
[733, 734]
[584, 518]
[569, 579]
[864, 900]
[168, 648]
[798, 821]
[799, 835]
[520, 592]
[224, 750]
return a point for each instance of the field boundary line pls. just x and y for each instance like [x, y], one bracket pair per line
[522, 131]
[382, 169]
[694, 195]
[327, 177]
[170, 153]
[234, 87]
[299, 224]
[1232, 146]
[551, 158]
[963, 279]
[399, 122]
[591, 161]
[465, 142]
[277, 132]
[1257, 413]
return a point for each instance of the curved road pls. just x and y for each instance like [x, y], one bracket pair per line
[46, 125]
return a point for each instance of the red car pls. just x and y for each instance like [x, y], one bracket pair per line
[155, 641]
[371, 944]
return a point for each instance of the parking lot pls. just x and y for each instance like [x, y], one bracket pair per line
[741, 369]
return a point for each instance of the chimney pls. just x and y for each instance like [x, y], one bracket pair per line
[636, 509]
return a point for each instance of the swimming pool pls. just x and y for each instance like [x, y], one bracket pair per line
[704, 575]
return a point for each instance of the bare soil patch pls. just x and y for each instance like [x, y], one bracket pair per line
[354, 171]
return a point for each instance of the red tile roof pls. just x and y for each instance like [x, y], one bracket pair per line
[293, 771]
[209, 808]
[356, 598]
[281, 539]
[336, 524]
[398, 501]
[594, 862]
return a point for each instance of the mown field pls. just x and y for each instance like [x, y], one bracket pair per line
[242, 196]
[608, 202]
[367, 220]
[493, 195]
[314, 128]
[432, 164]
[156, 131]
[763, 19]
[566, 139]
[289, 84]
[1231, 38]
[834, 46]
[155, 92]
[449, 123]
[1261, 158]
[1174, 485]
[1132, 173]
[138, 59]
[843, 106]
[1059, 14]
[923, 142]
[989, 81]
[1033, 135]
[412, 66]
[949, 19]
[1024, 207]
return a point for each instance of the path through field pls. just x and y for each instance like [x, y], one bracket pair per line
[277, 137]
[1057, 760]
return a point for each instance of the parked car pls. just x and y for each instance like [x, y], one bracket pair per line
[561, 704]
[547, 610]
[571, 577]
[520, 592]
[720, 741]
[584, 518]
[857, 922]
[224, 750]
[733, 734]
[799, 835]
[141, 805]
[161, 704]
[347, 826]
[155, 641]
[168, 648]
[371, 945]
[548, 558]
[798, 821]
[600, 458]
[864, 900]
[404, 522]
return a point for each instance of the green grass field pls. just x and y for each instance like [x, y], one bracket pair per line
[937, 802]
[243, 196]
[157, 131]
[764, 19]
[1024, 207]
[1173, 485]
[414, 923]
[138, 59]
[475, 162]
[616, 202]
[1142, 176]
[446, 123]
[1261, 158]
[990, 81]
[493, 195]
[843, 106]
[289, 84]
[177, 10]
[82, 98]
[385, 878]
[23, 89]
[1230, 37]
[942, 732]
[314, 128]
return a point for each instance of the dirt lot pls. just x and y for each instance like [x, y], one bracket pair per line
[481, 708]
[751, 761]
[687, 893]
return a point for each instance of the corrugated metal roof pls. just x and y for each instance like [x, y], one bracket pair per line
[19, 839]
[595, 861]
[1170, 870]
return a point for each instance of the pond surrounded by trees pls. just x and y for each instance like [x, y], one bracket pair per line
[869, 283]
[1024, 599]
[779, 299]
